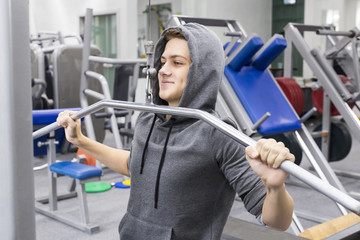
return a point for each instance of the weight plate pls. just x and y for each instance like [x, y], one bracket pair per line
[318, 97]
[340, 141]
[293, 93]
[96, 187]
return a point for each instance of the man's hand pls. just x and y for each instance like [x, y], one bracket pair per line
[72, 128]
[265, 159]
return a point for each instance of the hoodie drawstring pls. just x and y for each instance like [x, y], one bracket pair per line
[146, 145]
[161, 164]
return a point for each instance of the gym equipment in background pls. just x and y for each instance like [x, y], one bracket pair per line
[87, 75]
[56, 70]
[81, 173]
[338, 77]
[341, 91]
[42, 46]
[91, 87]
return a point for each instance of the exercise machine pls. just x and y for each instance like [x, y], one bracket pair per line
[294, 170]
[81, 174]
[342, 92]
[86, 91]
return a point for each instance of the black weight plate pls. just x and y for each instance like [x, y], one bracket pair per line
[291, 143]
[340, 141]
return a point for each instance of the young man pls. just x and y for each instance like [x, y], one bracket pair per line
[185, 173]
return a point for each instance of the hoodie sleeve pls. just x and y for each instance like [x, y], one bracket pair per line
[231, 160]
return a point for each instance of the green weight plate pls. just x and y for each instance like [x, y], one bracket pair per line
[96, 187]
[340, 141]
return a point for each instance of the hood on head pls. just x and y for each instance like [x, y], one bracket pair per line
[206, 69]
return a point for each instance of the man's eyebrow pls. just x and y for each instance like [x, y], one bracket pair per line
[175, 56]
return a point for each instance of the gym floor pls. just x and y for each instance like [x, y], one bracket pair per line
[107, 208]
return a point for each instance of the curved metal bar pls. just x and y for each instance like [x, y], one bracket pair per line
[296, 171]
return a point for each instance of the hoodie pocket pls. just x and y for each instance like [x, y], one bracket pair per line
[132, 228]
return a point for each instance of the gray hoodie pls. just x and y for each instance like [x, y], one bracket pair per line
[185, 173]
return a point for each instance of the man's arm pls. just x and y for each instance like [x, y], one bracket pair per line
[115, 159]
[278, 208]
[265, 159]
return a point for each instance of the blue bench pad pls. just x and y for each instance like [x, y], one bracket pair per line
[259, 94]
[75, 170]
[48, 116]
[247, 50]
[268, 55]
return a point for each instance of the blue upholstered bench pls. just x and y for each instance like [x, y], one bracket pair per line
[256, 88]
[75, 170]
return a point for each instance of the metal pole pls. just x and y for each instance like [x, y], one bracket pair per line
[106, 91]
[298, 172]
[84, 67]
[17, 220]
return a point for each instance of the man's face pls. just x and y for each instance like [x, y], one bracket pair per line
[175, 64]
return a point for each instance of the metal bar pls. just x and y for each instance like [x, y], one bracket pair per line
[56, 97]
[288, 52]
[42, 39]
[84, 67]
[232, 25]
[42, 86]
[307, 115]
[355, 55]
[233, 34]
[51, 156]
[93, 94]
[66, 218]
[116, 61]
[260, 121]
[308, 178]
[107, 94]
[341, 44]
[78, 38]
[84, 210]
[311, 217]
[204, 21]
[326, 127]
[331, 74]
[309, 28]
[296, 225]
[349, 34]
[39, 54]
[320, 164]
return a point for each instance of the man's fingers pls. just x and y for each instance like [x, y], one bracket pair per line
[252, 152]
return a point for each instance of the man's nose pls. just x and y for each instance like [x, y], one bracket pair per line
[164, 70]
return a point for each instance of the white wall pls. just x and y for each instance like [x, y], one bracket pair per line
[63, 15]
[314, 15]
[254, 15]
